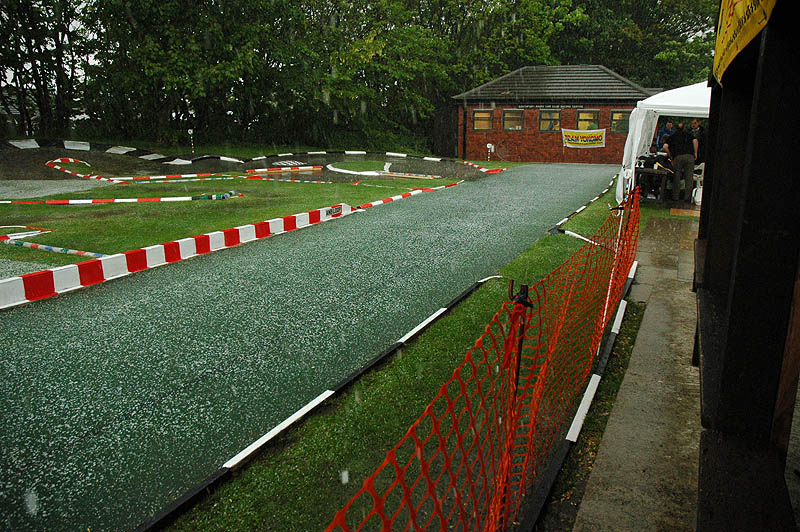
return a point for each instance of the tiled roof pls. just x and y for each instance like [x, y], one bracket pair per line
[559, 83]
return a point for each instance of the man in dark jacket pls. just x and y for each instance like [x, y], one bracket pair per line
[682, 149]
[699, 132]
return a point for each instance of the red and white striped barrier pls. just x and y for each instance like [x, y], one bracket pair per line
[408, 175]
[52, 164]
[389, 200]
[284, 169]
[224, 178]
[484, 170]
[413, 192]
[227, 195]
[122, 180]
[43, 247]
[157, 177]
[286, 180]
[48, 283]
[23, 234]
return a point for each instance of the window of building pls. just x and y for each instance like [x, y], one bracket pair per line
[619, 121]
[512, 119]
[482, 120]
[588, 119]
[549, 120]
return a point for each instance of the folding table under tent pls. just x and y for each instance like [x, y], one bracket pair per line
[691, 101]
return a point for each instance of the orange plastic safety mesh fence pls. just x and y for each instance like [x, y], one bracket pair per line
[475, 451]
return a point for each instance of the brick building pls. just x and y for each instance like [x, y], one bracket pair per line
[525, 114]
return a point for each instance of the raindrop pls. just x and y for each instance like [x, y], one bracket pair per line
[326, 96]
[335, 116]
[31, 502]
[344, 476]
[357, 396]
[363, 107]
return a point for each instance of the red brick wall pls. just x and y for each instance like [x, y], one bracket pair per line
[533, 145]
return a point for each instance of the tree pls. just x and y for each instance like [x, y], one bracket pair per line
[657, 43]
[164, 66]
[42, 56]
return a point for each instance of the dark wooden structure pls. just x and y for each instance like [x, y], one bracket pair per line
[747, 284]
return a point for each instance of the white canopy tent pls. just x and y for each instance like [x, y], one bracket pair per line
[690, 101]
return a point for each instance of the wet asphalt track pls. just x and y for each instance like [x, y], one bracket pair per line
[119, 398]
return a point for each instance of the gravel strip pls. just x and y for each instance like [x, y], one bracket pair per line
[12, 268]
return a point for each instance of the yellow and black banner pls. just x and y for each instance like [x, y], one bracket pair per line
[739, 22]
[584, 138]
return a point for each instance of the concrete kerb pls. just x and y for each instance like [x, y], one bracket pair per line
[545, 481]
[174, 510]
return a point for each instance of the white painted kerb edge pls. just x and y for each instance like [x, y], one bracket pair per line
[580, 415]
[618, 319]
[414, 331]
[230, 464]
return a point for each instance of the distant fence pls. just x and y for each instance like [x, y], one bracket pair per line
[469, 460]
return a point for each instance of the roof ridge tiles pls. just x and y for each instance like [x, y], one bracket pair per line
[558, 82]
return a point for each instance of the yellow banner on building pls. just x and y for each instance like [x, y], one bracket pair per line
[584, 138]
[739, 22]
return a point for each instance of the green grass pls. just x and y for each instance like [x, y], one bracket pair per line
[295, 484]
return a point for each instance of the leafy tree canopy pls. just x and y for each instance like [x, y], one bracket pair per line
[313, 71]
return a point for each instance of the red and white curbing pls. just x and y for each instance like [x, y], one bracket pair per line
[485, 170]
[98, 201]
[280, 169]
[43, 247]
[52, 164]
[414, 192]
[225, 178]
[157, 177]
[262, 178]
[409, 175]
[44, 284]
[119, 180]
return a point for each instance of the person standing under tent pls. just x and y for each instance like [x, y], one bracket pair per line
[662, 133]
[682, 149]
[699, 132]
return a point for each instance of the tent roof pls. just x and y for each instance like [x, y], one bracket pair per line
[691, 100]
